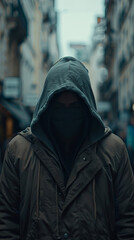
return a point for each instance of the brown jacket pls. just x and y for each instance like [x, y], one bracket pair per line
[97, 203]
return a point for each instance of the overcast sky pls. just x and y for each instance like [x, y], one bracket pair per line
[76, 21]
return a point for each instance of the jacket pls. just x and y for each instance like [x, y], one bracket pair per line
[98, 199]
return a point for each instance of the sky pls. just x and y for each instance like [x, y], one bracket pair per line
[76, 21]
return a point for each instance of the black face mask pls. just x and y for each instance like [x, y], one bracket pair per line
[67, 121]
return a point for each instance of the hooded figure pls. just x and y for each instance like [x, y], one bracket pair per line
[67, 176]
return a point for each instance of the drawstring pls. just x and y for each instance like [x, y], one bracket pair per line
[94, 196]
[33, 233]
[57, 215]
[94, 201]
[38, 188]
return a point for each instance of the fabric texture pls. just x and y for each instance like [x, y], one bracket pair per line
[97, 201]
[67, 74]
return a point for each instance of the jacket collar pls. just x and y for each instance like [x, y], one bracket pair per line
[87, 165]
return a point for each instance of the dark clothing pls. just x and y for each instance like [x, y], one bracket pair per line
[0, 161]
[50, 193]
[131, 157]
[67, 74]
[84, 209]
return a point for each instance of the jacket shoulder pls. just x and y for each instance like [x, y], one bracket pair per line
[112, 149]
[20, 144]
[113, 142]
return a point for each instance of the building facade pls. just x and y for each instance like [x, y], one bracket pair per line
[97, 70]
[108, 88]
[125, 54]
[28, 48]
[119, 58]
[13, 31]
[31, 55]
[40, 50]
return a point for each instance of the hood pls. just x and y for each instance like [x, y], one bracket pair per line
[67, 74]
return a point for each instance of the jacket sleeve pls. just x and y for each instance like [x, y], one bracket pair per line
[124, 189]
[9, 199]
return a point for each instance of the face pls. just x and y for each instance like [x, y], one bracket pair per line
[67, 98]
[67, 115]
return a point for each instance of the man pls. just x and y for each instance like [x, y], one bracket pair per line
[68, 176]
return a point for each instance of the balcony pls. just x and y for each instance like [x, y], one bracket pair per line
[108, 6]
[123, 14]
[105, 88]
[122, 64]
[17, 23]
[122, 18]
[109, 50]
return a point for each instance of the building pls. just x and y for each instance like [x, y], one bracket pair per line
[31, 55]
[97, 69]
[80, 51]
[28, 48]
[13, 31]
[119, 58]
[108, 88]
[48, 39]
[125, 54]
[40, 50]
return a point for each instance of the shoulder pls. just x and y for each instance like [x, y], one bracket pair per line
[113, 142]
[20, 144]
[112, 149]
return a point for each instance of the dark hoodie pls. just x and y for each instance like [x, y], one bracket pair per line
[68, 74]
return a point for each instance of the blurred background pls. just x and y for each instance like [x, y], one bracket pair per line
[34, 34]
